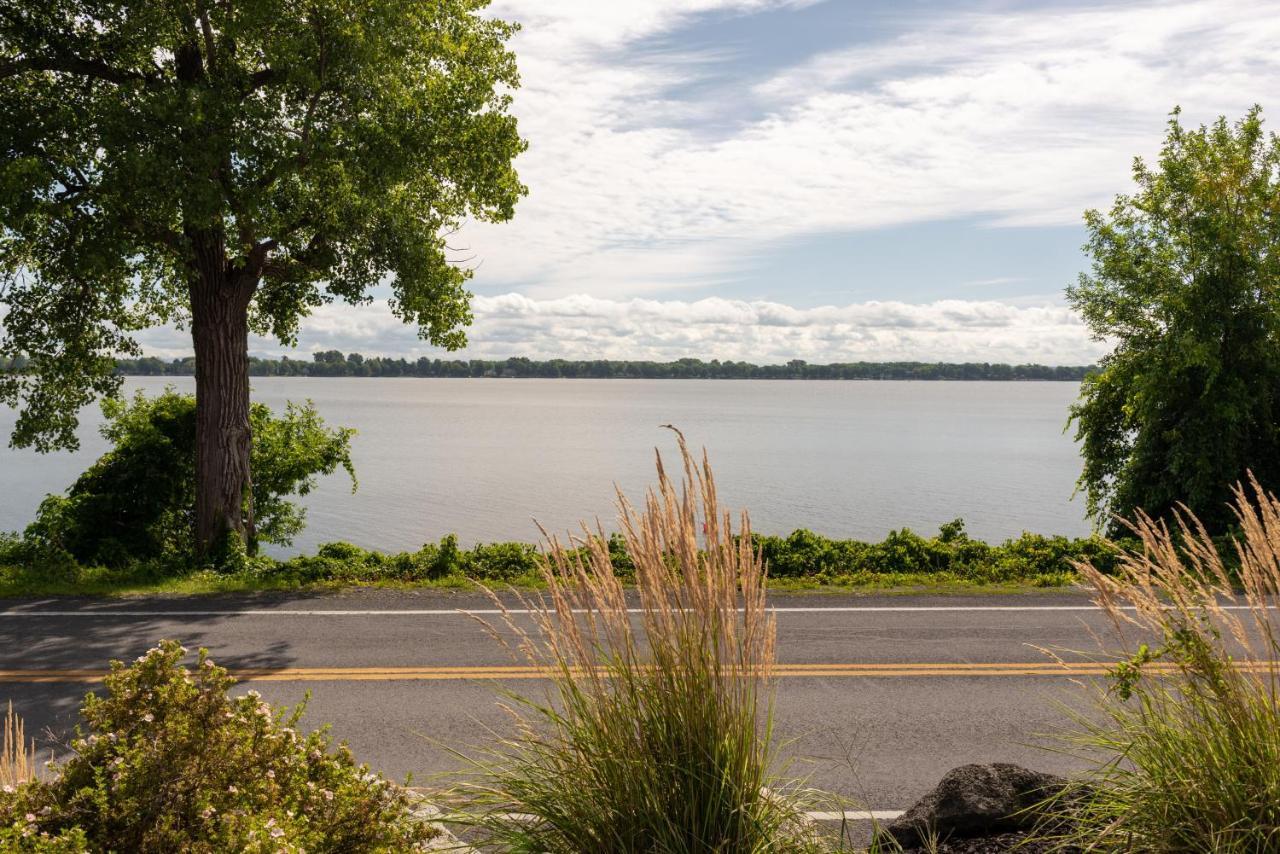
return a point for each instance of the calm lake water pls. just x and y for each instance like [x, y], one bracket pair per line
[484, 458]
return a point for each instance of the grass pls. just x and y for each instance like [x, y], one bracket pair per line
[907, 583]
[17, 755]
[1187, 757]
[204, 583]
[656, 731]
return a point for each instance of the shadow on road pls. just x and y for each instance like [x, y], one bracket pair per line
[51, 709]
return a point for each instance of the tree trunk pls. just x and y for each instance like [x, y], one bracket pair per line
[220, 331]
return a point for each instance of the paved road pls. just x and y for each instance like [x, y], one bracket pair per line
[878, 695]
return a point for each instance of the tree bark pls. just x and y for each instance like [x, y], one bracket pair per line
[220, 299]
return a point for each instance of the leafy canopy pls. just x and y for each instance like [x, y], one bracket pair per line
[1185, 282]
[321, 146]
[137, 501]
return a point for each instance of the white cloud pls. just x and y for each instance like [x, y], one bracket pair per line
[1025, 117]
[582, 326]
[575, 26]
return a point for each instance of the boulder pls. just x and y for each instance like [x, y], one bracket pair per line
[976, 801]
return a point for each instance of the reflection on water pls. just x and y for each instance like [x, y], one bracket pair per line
[483, 458]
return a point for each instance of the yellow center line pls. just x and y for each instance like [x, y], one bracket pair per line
[790, 670]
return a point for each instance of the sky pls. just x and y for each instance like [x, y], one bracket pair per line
[829, 180]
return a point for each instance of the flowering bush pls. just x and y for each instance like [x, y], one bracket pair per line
[168, 762]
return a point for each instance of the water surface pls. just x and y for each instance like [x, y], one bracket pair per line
[483, 458]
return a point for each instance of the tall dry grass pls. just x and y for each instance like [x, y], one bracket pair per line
[17, 756]
[1189, 748]
[656, 731]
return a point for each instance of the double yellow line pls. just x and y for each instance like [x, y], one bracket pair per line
[828, 671]
[436, 673]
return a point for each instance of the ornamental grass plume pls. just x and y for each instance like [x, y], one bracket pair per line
[1188, 750]
[17, 757]
[656, 730]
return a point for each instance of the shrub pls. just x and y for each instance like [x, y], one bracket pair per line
[500, 561]
[951, 554]
[170, 763]
[907, 552]
[656, 733]
[137, 502]
[804, 554]
[902, 558]
[1188, 756]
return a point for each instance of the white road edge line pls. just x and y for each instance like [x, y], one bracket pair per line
[490, 612]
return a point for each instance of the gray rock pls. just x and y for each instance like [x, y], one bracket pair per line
[425, 811]
[976, 801]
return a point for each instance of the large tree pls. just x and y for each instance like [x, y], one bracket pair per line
[1185, 283]
[229, 165]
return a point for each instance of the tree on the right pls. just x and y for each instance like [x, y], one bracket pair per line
[1185, 284]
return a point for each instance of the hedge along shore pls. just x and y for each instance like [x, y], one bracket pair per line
[802, 560]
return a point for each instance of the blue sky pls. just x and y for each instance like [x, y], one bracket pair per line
[962, 258]
[823, 179]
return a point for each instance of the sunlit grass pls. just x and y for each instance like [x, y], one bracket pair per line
[18, 584]
[1188, 750]
[17, 755]
[15, 584]
[656, 732]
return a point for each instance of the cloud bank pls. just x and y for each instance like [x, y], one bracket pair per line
[589, 327]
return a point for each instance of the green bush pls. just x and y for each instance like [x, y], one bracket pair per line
[903, 557]
[168, 762]
[137, 502]
[951, 554]
[500, 561]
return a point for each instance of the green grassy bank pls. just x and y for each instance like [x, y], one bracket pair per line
[802, 560]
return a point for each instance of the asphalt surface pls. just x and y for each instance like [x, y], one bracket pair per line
[877, 696]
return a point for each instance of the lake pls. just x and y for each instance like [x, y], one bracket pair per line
[484, 458]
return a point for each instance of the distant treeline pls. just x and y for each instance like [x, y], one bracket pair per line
[332, 363]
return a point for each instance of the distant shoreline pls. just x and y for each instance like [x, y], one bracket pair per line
[336, 364]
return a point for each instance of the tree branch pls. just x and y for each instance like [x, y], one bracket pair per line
[72, 65]
[206, 29]
[305, 259]
[265, 77]
[257, 257]
[244, 227]
[166, 237]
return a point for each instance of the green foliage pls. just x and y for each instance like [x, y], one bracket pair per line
[801, 556]
[343, 562]
[288, 453]
[136, 503]
[287, 154]
[952, 555]
[903, 557]
[23, 836]
[168, 762]
[1185, 282]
